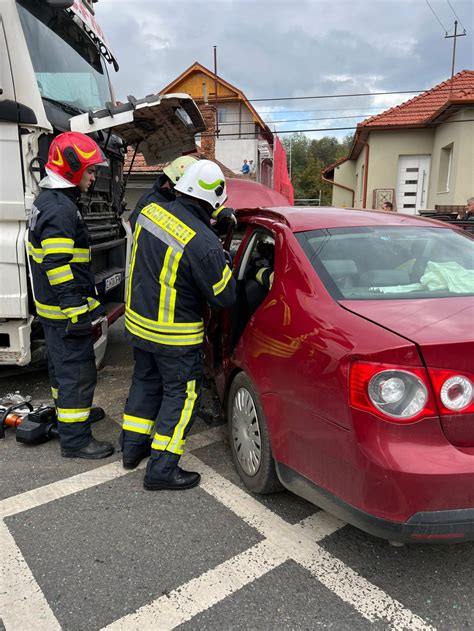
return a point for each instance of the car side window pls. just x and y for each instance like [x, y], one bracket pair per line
[259, 255]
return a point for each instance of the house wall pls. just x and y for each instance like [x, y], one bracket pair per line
[232, 153]
[385, 147]
[343, 174]
[136, 186]
[229, 116]
[458, 133]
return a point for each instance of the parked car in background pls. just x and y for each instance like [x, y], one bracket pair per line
[350, 380]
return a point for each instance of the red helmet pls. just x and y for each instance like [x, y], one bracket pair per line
[71, 153]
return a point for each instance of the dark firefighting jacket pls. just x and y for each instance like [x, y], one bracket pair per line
[59, 251]
[158, 194]
[177, 266]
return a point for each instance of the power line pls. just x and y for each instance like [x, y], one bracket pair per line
[333, 109]
[433, 12]
[451, 7]
[324, 96]
[251, 135]
[294, 120]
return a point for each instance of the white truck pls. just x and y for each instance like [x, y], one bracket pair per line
[54, 77]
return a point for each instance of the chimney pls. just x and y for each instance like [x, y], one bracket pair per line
[208, 138]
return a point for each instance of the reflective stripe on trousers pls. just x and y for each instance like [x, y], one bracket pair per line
[163, 396]
[72, 372]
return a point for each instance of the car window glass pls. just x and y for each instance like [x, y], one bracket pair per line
[259, 254]
[391, 262]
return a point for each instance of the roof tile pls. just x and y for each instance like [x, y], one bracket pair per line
[423, 107]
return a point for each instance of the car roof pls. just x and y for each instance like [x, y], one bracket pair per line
[301, 218]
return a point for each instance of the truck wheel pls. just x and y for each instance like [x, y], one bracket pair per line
[249, 440]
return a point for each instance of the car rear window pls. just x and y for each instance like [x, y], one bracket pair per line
[399, 262]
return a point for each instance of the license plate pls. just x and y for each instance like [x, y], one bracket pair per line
[112, 281]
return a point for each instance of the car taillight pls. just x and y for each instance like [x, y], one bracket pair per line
[395, 393]
[454, 390]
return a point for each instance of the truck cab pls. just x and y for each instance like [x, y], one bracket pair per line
[54, 77]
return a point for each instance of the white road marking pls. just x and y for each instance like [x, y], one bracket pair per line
[202, 592]
[282, 541]
[88, 479]
[22, 603]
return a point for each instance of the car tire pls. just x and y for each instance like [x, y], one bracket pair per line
[249, 439]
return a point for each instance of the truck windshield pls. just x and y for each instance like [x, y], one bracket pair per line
[68, 66]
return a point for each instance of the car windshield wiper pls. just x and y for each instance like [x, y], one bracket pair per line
[68, 107]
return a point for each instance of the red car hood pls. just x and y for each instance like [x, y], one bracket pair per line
[442, 327]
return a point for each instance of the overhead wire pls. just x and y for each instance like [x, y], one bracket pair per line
[323, 96]
[294, 120]
[251, 135]
[452, 9]
[434, 13]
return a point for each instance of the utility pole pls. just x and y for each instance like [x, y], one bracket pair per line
[454, 38]
[215, 90]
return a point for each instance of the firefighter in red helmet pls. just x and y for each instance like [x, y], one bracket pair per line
[64, 290]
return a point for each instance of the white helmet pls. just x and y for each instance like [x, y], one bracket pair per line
[204, 180]
[175, 169]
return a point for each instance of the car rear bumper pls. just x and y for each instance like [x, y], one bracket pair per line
[442, 526]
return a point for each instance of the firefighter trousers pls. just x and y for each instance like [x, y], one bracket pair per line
[73, 377]
[161, 406]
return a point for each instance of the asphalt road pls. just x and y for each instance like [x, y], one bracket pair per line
[84, 546]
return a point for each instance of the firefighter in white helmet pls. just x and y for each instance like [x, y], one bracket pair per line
[163, 188]
[178, 264]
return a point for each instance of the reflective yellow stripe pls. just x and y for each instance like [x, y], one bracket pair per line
[167, 279]
[177, 442]
[160, 443]
[169, 223]
[58, 245]
[74, 312]
[168, 340]
[81, 255]
[54, 392]
[49, 311]
[174, 272]
[59, 275]
[163, 284]
[137, 424]
[35, 253]
[217, 212]
[136, 234]
[222, 284]
[162, 327]
[92, 304]
[73, 415]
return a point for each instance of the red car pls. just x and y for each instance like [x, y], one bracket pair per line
[347, 376]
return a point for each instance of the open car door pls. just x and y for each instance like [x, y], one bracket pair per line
[162, 126]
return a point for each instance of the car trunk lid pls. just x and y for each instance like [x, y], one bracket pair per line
[442, 330]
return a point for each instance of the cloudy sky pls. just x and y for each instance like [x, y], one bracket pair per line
[271, 48]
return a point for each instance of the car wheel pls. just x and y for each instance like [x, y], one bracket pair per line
[249, 440]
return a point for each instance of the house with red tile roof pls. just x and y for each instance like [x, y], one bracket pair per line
[419, 155]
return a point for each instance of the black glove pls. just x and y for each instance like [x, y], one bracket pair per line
[82, 327]
[224, 218]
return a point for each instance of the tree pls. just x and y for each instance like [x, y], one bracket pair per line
[306, 160]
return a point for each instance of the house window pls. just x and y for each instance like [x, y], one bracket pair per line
[222, 111]
[444, 174]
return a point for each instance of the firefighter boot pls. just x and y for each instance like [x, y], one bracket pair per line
[179, 480]
[94, 450]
